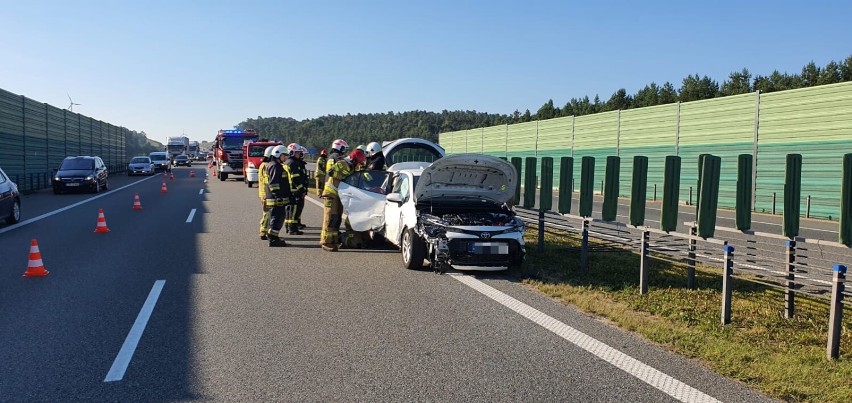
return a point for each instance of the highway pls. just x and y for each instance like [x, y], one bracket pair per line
[182, 301]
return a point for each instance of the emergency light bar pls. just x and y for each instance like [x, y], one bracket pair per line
[237, 132]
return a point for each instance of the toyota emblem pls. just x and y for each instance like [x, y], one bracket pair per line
[485, 235]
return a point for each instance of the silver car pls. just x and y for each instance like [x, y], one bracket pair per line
[140, 166]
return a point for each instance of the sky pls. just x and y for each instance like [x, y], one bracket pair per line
[194, 67]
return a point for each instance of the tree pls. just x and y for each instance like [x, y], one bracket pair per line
[648, 96]
[668, 94]
[527, 116]
[830, 74]
[739, 82]
[695, 88]
[810, 75]
[846, 69]
[618, 101]
[547, 111]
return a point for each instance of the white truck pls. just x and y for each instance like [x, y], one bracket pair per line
[176, 146]
[193, 152]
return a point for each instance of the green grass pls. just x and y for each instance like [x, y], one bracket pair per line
[783, 358]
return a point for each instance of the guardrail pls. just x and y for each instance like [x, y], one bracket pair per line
[799, 266]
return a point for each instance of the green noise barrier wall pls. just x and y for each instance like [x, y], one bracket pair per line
[545, 202]
[529, 183]
[638, 190]
[792, 196]
[587, 184]
[516, 162]
[610, 196]
[709, 194]
[671, 188]
[845, 232]
[744, 194]
[566, 184]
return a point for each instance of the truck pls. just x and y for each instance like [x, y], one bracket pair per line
[176, 146]
[253, 151]
[193, 151]
[228, 154]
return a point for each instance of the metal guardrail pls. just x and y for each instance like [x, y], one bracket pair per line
[799, 266]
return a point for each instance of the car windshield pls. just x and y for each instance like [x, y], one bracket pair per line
[158, 157]
[232, 143]
[256, 151]
[140, 160]
[413, 152]
[181, 157]
[370, 181]
[77, 164]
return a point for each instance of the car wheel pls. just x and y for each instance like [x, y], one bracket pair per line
[106, 184]
[221, 177]
[15, 217]
[97, 187]
[413, 250]
[56, 191]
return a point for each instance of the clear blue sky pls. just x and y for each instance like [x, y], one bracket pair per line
[166, 67]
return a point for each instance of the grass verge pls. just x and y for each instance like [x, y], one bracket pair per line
[783, 358]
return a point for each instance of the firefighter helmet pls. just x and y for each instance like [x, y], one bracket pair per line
[303, 149]
[278, 151]
[358, 157]
[339, 145]
[373, 148]
[323, 152]
[293, 148]
[268, 151]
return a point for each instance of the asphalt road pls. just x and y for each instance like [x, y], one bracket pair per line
[220, 316]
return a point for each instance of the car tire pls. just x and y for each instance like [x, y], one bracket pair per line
[15, 217]
[413, 250]
[106, 184]
[56, 191]
[221, 177]
[97, 187]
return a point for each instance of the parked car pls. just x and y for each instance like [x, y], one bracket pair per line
[141, 165]
[83, 172]
[454, 212]
[182, 159]
[160, 160]
[10, 200]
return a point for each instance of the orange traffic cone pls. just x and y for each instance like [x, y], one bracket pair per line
[173, 177]
[191, 174]
[214, 172]
[35, 267]
[137, 205]
[102, 227]
[163, 188]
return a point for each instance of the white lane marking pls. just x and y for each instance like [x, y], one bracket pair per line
[311, 199]
[200, 191]
[191, 214]
[54, 212]
[122, 360]
[624, 362]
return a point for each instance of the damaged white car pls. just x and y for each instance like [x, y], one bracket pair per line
[454, 212]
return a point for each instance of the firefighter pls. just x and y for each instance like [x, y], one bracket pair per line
[338, 151]
[277, 194]
[375, 157]
[333, 209]
[296, 182]
[303, 172]
[262, 179]
[319, 176]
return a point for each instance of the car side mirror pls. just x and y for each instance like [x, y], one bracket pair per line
[394, 197]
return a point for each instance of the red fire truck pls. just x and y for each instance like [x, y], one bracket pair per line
[228, 155]
[254, 156]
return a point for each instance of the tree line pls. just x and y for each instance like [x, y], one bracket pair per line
[318, 133]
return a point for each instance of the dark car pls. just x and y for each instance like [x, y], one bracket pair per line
[182, 159]
[10, 200]
[81, 173]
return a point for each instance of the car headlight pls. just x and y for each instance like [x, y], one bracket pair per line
[251, 165]
[56, 179]
[90, 177]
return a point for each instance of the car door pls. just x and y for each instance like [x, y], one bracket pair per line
[363, 198]
[6, 197]
[393, 209]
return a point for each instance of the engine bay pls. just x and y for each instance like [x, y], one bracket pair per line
[477, 218]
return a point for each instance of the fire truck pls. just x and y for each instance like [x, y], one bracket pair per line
[228, 151]
[254, 156]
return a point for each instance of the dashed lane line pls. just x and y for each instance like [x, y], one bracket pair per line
[191, 215]
[624, 362]
[122, 360]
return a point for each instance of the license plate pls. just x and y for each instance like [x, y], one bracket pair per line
[72, 184]
[488, 248]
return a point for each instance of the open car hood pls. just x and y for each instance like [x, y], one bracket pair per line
[460, 176]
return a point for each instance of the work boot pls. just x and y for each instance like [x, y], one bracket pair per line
[275, 242]
[293, 229]
[329, 248]
[263, 237]
[302, 226]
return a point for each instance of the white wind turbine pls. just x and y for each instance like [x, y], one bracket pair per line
[71, 105]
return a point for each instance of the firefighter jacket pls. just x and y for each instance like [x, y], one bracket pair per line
[322, 162]
[332, 158]
[278, 186]
[262, 179]
[339, 171]
[377, 162]
[295, 179]
[303, 174]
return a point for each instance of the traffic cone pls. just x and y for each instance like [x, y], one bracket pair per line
[172, 177]
[163, 188]
[35, 267]
[102, 227]
[137, 205]
[214, 172]
[191, 174]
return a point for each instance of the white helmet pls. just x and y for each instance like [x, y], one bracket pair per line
[373, 148]
[268, 151]
[278, 151]
[304, 149]
[293, 148]
[339, 145]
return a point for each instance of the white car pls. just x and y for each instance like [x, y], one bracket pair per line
[453, 212]
[141, 165]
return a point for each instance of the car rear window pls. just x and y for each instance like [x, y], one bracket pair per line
[77, 164]
[140, 160]
[158, 157]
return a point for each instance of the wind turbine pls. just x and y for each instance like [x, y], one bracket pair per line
[71, 106]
